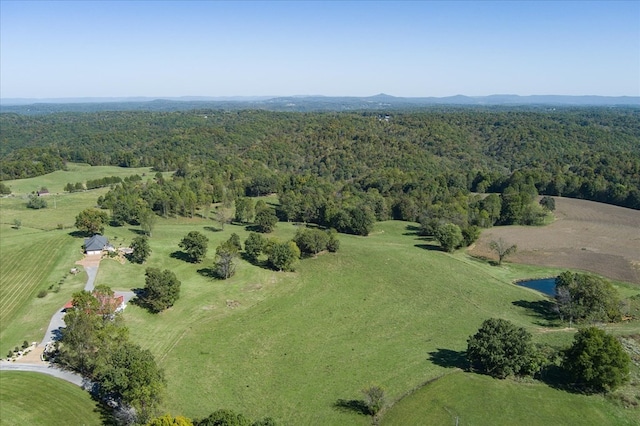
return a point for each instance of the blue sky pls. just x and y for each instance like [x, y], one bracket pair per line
[146, 48]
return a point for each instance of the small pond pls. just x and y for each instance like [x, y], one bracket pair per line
[544, 285]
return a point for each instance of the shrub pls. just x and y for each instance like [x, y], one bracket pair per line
[43, 293]
[25, 345]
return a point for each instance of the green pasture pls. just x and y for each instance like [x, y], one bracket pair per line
[76, 172]
[474, 399]
[385, 309]
[38, 399]
[381, 310]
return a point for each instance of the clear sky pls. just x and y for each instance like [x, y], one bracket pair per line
[54, 49]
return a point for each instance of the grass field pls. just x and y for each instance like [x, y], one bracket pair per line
[38, 399]
[76, 172]
[385, 309]
[32, 261]
[481, 400]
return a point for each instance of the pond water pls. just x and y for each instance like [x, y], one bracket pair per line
[544, 285]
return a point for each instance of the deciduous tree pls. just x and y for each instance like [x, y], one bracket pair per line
[162, 289]
[502, 249]
[265, 220]
[226, 253]
[141, 249]
[596, 360]
[91, 221]
[195, 245]
[449, 236]
[501, 349]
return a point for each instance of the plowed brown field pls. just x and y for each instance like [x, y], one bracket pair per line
[586, 235]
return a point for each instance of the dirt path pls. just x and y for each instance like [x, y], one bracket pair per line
[586, 235]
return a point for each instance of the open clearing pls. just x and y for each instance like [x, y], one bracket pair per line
[38, 399]
[586, 235]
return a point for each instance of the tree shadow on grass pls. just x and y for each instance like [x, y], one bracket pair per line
[137, 231]
[180, 255]
[449, 358]
[412, 230]
[208, 272]
[357, 406]
[212, 229]
[79, 234]
[541, 309]
[430, 247]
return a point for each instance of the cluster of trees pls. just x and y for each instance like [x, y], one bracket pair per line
[36, 202]
[595, 361]
[312, 241]
[96, 344]
[586, 298]
[220, 417]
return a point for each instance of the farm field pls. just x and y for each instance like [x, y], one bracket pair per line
[586, 235]
[382, 310]
[38, 399]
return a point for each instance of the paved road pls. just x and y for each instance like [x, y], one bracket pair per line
[92, 271]
[53, 334]
[69, 376]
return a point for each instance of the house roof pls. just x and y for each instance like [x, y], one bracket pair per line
[97, 242]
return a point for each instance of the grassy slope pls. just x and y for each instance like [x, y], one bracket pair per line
[482, 400]
[295, 343]
[37, 399]
[76, 172]
[299, 342]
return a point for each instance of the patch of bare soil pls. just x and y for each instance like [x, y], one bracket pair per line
[586, 235]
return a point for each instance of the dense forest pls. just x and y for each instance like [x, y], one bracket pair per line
[400, 165]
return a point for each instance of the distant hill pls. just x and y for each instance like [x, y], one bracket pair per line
[301, 103]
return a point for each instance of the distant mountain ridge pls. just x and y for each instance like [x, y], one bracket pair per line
[301, 103]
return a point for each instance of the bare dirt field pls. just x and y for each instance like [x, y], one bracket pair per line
[586, 235]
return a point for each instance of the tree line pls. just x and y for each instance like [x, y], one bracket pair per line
[590, 153]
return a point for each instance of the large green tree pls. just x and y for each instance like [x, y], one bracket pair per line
[162, 289]
[141, 249]
[195, 245]
[131, 373]
[596, 360]
[91, 221]
[282, 256]
[501, 349]
[449, 235]
[584, 297]
[254, 245]
[265, 220]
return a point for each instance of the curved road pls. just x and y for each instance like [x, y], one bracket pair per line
[68, 376]
[53, 333]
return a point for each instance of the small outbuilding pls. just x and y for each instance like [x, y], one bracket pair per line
[96, 244]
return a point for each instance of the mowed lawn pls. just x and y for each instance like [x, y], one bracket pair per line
[33, 260]
[38, 399]
[473, 399]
